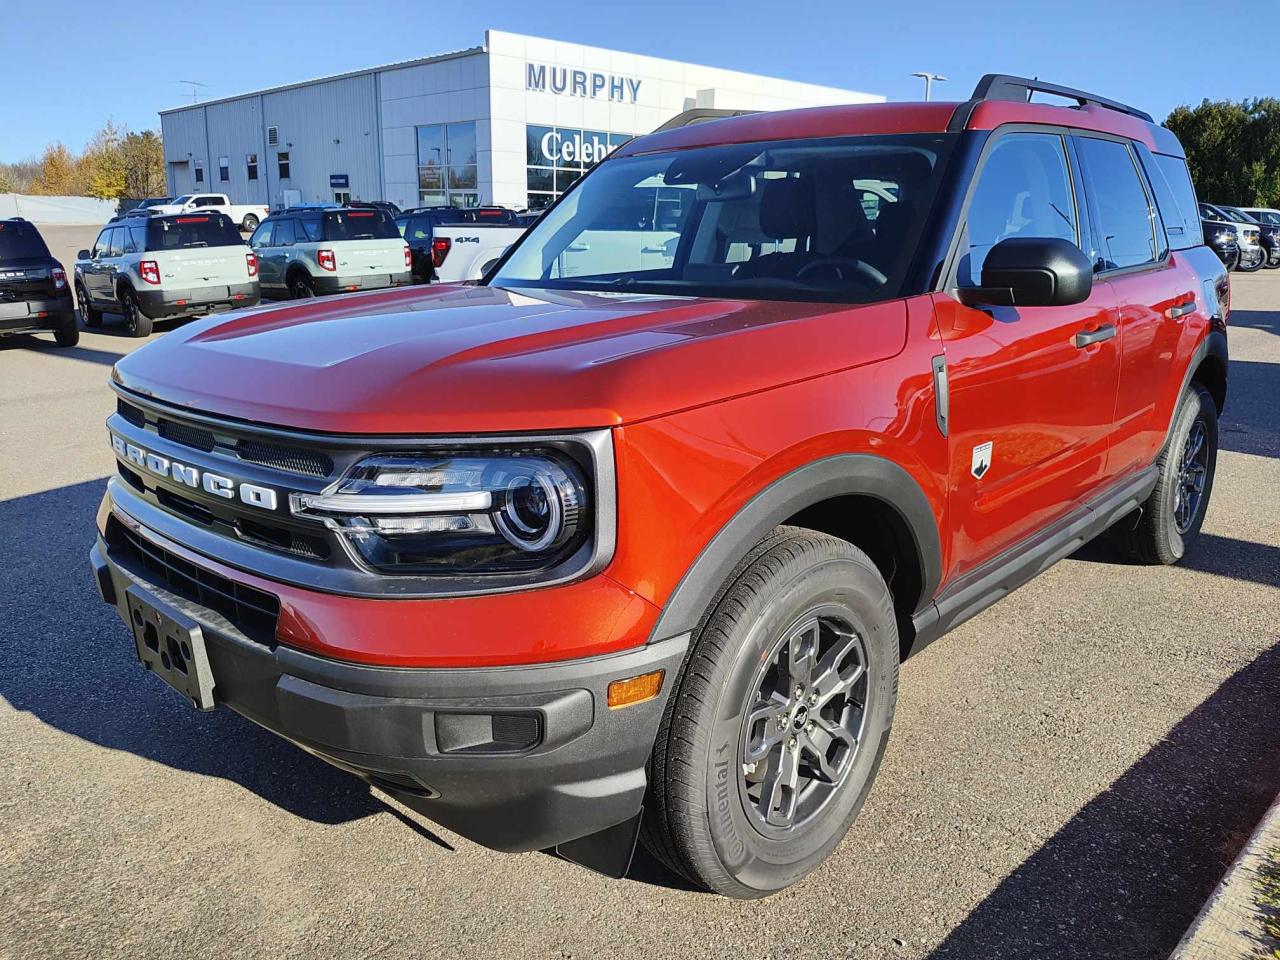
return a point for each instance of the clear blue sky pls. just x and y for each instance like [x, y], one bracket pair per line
[62, 73]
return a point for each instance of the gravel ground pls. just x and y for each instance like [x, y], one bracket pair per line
[1069, 776]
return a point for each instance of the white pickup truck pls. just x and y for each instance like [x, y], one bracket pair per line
[246, 215]
[449, 245]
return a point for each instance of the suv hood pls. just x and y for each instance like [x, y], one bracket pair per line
[483, 359]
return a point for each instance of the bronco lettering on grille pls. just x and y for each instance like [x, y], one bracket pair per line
[219, 486]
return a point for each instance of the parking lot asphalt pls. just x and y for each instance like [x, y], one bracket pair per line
[1069, 775]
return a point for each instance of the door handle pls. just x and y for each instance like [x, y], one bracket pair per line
[653, 249]
[1181, 310]
[578, 247]
[1087, 337]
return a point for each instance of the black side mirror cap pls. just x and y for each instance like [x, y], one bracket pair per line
[1031, 272]
[84, 255]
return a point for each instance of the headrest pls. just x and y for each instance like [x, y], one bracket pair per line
[787, 208]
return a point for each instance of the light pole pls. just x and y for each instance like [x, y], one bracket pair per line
[929, 80]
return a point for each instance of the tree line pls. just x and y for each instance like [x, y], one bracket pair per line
[1233, 150]
[115, 163]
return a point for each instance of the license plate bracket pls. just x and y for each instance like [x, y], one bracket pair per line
[171, 645]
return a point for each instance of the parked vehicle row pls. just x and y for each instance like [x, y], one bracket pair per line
[1240, 237]
[307, 251]
[629, 539]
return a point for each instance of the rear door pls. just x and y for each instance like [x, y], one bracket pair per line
[1154, 290]
[1030, 411]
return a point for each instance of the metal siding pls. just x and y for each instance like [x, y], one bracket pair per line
[235, 130]
[184, 141]
[310, 119]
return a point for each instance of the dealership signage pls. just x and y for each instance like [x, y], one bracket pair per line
[546, 78]
[339, 181]
[566, 148]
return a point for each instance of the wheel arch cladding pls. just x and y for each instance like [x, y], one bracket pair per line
[863, 498]
[1209, 368]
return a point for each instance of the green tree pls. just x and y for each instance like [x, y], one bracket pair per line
[143, 158]
[1233, 149]
[103, 164]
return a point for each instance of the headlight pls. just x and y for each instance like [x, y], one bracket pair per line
[1225, 236]
[460, 512]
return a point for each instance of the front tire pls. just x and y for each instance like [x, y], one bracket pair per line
[1161, 530]
[136, 322]
[1272, 260]
[92, 318]
[772, 738]
[1252, 266]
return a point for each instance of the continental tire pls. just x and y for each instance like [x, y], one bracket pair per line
[772, 738]
[1162, 529]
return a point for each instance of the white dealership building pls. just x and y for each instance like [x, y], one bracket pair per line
[512, 122]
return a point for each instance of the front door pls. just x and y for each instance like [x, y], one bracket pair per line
[269, 273]
[1031, 405]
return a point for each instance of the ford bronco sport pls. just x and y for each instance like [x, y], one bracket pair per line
[164, 267]
[34, 295]
[563, 559]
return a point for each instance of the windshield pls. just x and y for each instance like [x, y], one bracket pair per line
[20, 241]
[1267, 216]
[359, 225]
[185, 198]
[199, 230]
[819, 219]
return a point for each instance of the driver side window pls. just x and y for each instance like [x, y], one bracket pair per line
[1024, 190]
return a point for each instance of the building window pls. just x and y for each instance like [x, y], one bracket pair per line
[199, 171]
[224, 169]
[448, 174]
[251, 165]
[282, 163]
[557, 156]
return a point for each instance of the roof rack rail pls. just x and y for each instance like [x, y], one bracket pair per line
[1002, 86]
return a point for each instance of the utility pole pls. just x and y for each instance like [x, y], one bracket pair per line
[929, 80]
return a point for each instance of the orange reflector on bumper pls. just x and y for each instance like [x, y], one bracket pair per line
[623, 693]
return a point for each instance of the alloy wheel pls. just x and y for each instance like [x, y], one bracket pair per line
[1193, 469]
[803, 728]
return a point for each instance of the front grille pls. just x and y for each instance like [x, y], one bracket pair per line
[187, 435]
[131, 413]
[251, 611]
[310, 462]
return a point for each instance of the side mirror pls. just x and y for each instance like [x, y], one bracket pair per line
[84, 255]
[1031, 272]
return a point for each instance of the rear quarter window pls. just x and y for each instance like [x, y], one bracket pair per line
[359, 225]
[186, 232]
[20, 241]
[1176, 198]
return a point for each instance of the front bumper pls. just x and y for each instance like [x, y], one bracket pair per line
[25, 316]
[164, 304]
[514, 758]
[362, 281]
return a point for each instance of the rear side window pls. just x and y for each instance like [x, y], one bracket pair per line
[1176, 198]
[1023, 190]
[359, 225]
[199, 230]
[310, 228]
[20, 241]
[1126, 234]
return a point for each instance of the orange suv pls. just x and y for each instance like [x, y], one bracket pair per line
[631, 538]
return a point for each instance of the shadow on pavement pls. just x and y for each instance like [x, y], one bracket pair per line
[1222, 556]
[1268, 320]
[1128, 873]
[1251, 421]
[66, 658]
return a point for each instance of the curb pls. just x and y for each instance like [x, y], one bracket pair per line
[1230, 924]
